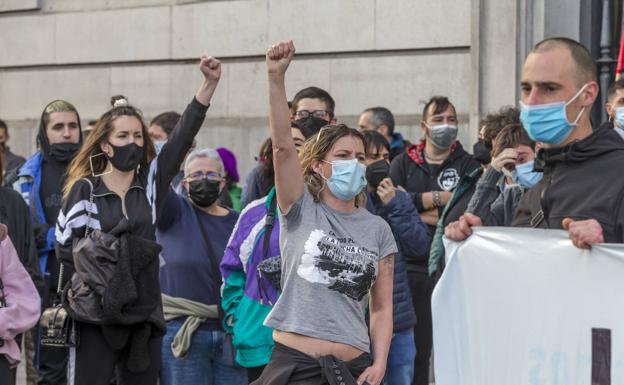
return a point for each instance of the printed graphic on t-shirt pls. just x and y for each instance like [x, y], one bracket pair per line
[54, 200]
[339, 264]
[448, 179]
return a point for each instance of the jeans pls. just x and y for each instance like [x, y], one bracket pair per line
[206, 362]
[400, 368]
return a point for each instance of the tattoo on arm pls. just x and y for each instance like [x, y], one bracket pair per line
[388, 264]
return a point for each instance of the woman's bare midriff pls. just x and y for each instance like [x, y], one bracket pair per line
[315, 347]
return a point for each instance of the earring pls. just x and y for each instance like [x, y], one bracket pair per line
[93, 170]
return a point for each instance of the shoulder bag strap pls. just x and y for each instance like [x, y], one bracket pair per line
[268, 227]
[216, 275]
[539, 217]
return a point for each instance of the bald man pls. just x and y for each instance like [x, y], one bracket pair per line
[582, 190]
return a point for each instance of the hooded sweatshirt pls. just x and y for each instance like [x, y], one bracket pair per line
[52, 173]
[411, 171]
[40, 182]
[582, 180]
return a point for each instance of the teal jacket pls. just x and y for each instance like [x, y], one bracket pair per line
[437, 253]
[247, 296]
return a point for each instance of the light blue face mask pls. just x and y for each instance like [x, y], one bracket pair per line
[525, 176]
[619, 117]
[158, 145]
[548, 123]
[348, 178]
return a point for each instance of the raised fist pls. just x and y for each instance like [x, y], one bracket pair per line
[210, 67]
[278, 57]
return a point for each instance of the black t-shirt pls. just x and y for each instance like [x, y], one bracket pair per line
[51, 189]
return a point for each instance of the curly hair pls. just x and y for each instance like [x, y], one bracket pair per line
[511, 136]
[494, 122]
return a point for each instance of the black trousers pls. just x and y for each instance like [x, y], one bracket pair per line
[52, 369]
[254, 373]
[96, 362]
[7, 375]
[421, 286]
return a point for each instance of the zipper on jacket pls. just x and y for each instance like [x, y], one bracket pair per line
[543, 198]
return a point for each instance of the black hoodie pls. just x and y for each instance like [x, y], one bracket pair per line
[411, 171]
[52, 172]
[581, 181]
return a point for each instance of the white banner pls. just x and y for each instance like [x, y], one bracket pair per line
[524, 306]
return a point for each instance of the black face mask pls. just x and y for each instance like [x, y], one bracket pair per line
[376, 172]
[63, 152]
[204, 192]
[311, 125]
[481, 153]
[126, 158]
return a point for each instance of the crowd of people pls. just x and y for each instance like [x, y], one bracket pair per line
[319, 268]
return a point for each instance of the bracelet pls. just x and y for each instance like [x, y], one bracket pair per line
[437, 200]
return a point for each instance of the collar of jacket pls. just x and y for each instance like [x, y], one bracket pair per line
[32, 166]
[601, 141]
[397, 140]
[417, 151]
[100, 189]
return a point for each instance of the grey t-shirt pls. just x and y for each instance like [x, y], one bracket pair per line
[329, 263]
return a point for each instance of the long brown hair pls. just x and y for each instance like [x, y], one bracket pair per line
[316, 149]
[91, 152]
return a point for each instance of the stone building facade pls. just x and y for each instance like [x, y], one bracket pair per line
[393, 53]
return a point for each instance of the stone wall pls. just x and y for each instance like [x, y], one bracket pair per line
[394, 53]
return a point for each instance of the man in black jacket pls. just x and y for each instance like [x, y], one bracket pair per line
[430, 171]
[582, 189]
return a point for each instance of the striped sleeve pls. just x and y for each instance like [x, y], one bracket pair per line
[76, 213]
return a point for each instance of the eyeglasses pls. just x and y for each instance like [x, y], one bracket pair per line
[209, 175]
[321, 114]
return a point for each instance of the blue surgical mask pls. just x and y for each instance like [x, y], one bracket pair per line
[347, 180]
[158, 145]
[525, 176]
[619, 117]
[548, 123]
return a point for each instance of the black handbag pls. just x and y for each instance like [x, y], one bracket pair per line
[57, 327]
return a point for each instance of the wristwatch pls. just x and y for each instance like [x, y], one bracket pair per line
[437, 200]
